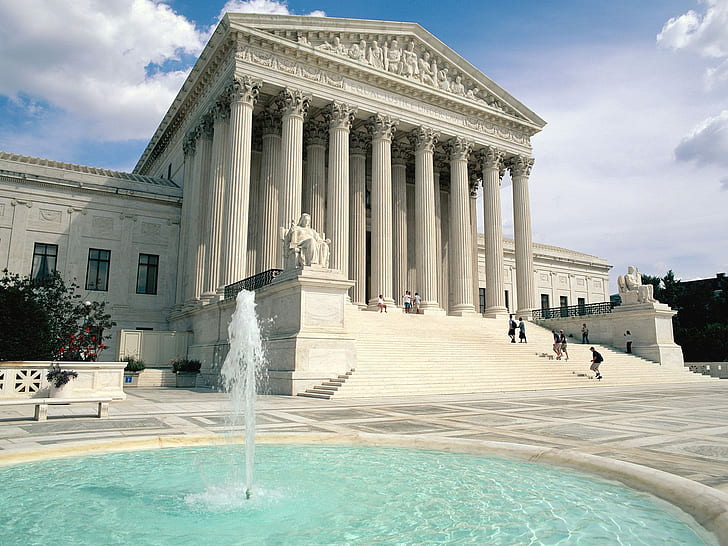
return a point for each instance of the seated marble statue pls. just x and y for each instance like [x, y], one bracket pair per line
[303, 245]
[631, 289]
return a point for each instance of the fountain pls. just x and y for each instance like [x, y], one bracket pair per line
[243, 364]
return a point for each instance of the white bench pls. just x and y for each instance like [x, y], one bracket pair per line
[41, 405]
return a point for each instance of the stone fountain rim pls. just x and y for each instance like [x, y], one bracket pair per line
[707, 506]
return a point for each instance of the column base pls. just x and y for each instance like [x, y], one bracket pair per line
[374, 306]
[496, 312]
[525, 313]
[463, 311]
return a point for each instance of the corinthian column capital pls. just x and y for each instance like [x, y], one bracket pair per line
[293, 102]
[473, 184]
[358, 143]
[244, 89]
[315, 133]
[204, 128]
[221, 109]
[340, 115]
[492, 158]
[400, 152]
[520, 165]
[424, 138]
[270, 123]
[382, 126]
[458, 148]
[190, 141]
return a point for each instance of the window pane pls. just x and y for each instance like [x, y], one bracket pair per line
[147, 274]
[44, 260]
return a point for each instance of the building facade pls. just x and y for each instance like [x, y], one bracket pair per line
[379, 131]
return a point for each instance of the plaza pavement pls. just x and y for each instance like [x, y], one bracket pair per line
[682, 430]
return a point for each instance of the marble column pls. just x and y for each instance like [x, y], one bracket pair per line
[399, 219]
[473, 187]
[243, 94]
[339, 116]
[382, 128]
[445, 249]
[294, 107]
[358, 145]
[216, 209]
[201, 198]
[493, 226]
[315, 136]
[269, 243]
[437, 169]
[254, 213]
[187, 221]
[520, 168]
[424, 140]
[461, 256]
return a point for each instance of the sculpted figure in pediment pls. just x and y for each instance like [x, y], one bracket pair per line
[358, 51]
[410, 64]
[443, 82]
[427, 75]
[334, 47]
[376, 55]
[457, 87]
[393, 58]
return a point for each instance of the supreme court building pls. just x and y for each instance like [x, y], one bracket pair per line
[378, 130]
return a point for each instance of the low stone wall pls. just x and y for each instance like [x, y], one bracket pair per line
[713, 369]
[27, 379]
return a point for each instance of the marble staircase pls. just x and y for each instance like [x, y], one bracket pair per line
[405, 355]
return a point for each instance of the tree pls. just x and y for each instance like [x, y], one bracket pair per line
[43, 319]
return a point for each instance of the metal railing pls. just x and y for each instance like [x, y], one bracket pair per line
[254, 282]
[574, 310]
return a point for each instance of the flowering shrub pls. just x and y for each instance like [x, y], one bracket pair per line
[43, 319]
[58, 377]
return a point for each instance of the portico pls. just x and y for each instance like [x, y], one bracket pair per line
[381, 148]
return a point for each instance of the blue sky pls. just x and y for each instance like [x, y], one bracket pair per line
[632, 166]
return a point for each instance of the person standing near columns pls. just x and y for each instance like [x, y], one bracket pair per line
[382, 128]
[461, 264]
[314, 190]
[339, 116]
[400, 153]
[520, 168]
[492, 218]
[358, 144]
[243, 94]
[424, 139]
[294, 108]
[269, 249]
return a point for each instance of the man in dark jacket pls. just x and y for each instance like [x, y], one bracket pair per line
[596, 360]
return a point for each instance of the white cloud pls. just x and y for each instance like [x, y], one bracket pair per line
[707, 143]
[262, 6]
[706, 35]
[91, 60]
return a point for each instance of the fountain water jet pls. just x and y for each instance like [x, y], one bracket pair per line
[244, 362]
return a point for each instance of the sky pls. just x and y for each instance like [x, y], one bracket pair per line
[631, 167]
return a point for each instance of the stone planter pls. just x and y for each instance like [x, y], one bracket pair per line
[64, 391]
[186, 380]
[131, 379]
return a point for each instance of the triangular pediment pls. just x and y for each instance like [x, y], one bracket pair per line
[403, 52]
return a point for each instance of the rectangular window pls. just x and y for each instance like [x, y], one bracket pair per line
[44, 260]
[481, 294]
[147, 274]
[545, 301]
[97, 273]
[564, 304]
[508, 305]
[581, 302]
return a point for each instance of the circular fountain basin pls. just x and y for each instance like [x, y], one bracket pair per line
[325, 495]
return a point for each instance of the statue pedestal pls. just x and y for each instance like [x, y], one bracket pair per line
[651, 328]
[302, 314]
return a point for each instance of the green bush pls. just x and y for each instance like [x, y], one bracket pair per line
[133, 364]
[186, 365]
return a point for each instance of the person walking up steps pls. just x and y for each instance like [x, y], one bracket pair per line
[563, 342]
[596, 360]
[557, 344]
[628, 340]
[521, 331]
[512, 329]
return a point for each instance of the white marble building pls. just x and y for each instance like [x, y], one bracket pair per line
[377, 129]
